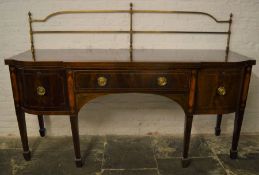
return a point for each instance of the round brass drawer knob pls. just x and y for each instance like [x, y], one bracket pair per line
[161, 81]
[221, 90]
[102, 81]
[41, 91]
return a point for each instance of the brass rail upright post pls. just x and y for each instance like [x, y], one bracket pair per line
[131, 32]
[229, 34]
[31, 37]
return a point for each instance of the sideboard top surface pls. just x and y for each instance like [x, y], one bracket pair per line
[122, 55]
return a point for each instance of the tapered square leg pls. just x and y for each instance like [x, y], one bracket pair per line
[75, 134]
[236, 134]
[42, 129]
[23, 133]
[187, 135]
[218, 124]
[239, 115]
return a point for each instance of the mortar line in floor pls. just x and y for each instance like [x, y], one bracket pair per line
[131, 169]
[11, 149]
[218, 159]
[200, 157]
[153, 149]
[104, 145]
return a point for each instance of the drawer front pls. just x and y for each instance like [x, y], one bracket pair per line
[132, 80]
[218, 90]
[44, 89]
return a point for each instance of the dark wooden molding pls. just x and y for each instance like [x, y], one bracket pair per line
[14, 86]
[246, 82]
[192, 91]
[70, 91]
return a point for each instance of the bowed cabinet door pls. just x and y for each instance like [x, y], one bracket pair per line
[44, 89]
[218, 90]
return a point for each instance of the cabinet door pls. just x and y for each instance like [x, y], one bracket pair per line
[209, 97]
[43, 89]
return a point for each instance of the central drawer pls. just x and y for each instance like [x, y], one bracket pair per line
[106, 80]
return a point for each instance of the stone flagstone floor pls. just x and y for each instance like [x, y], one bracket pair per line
[130, 155]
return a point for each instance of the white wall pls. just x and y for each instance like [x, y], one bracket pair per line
[138, 113]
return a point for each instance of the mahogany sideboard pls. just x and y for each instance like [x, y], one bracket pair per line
[61, 81]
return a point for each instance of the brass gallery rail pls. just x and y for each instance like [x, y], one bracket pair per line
[131, 31]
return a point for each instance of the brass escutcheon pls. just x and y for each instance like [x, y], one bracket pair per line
[161, 81]
[221, 90]
[41, 90]
[102, 81]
